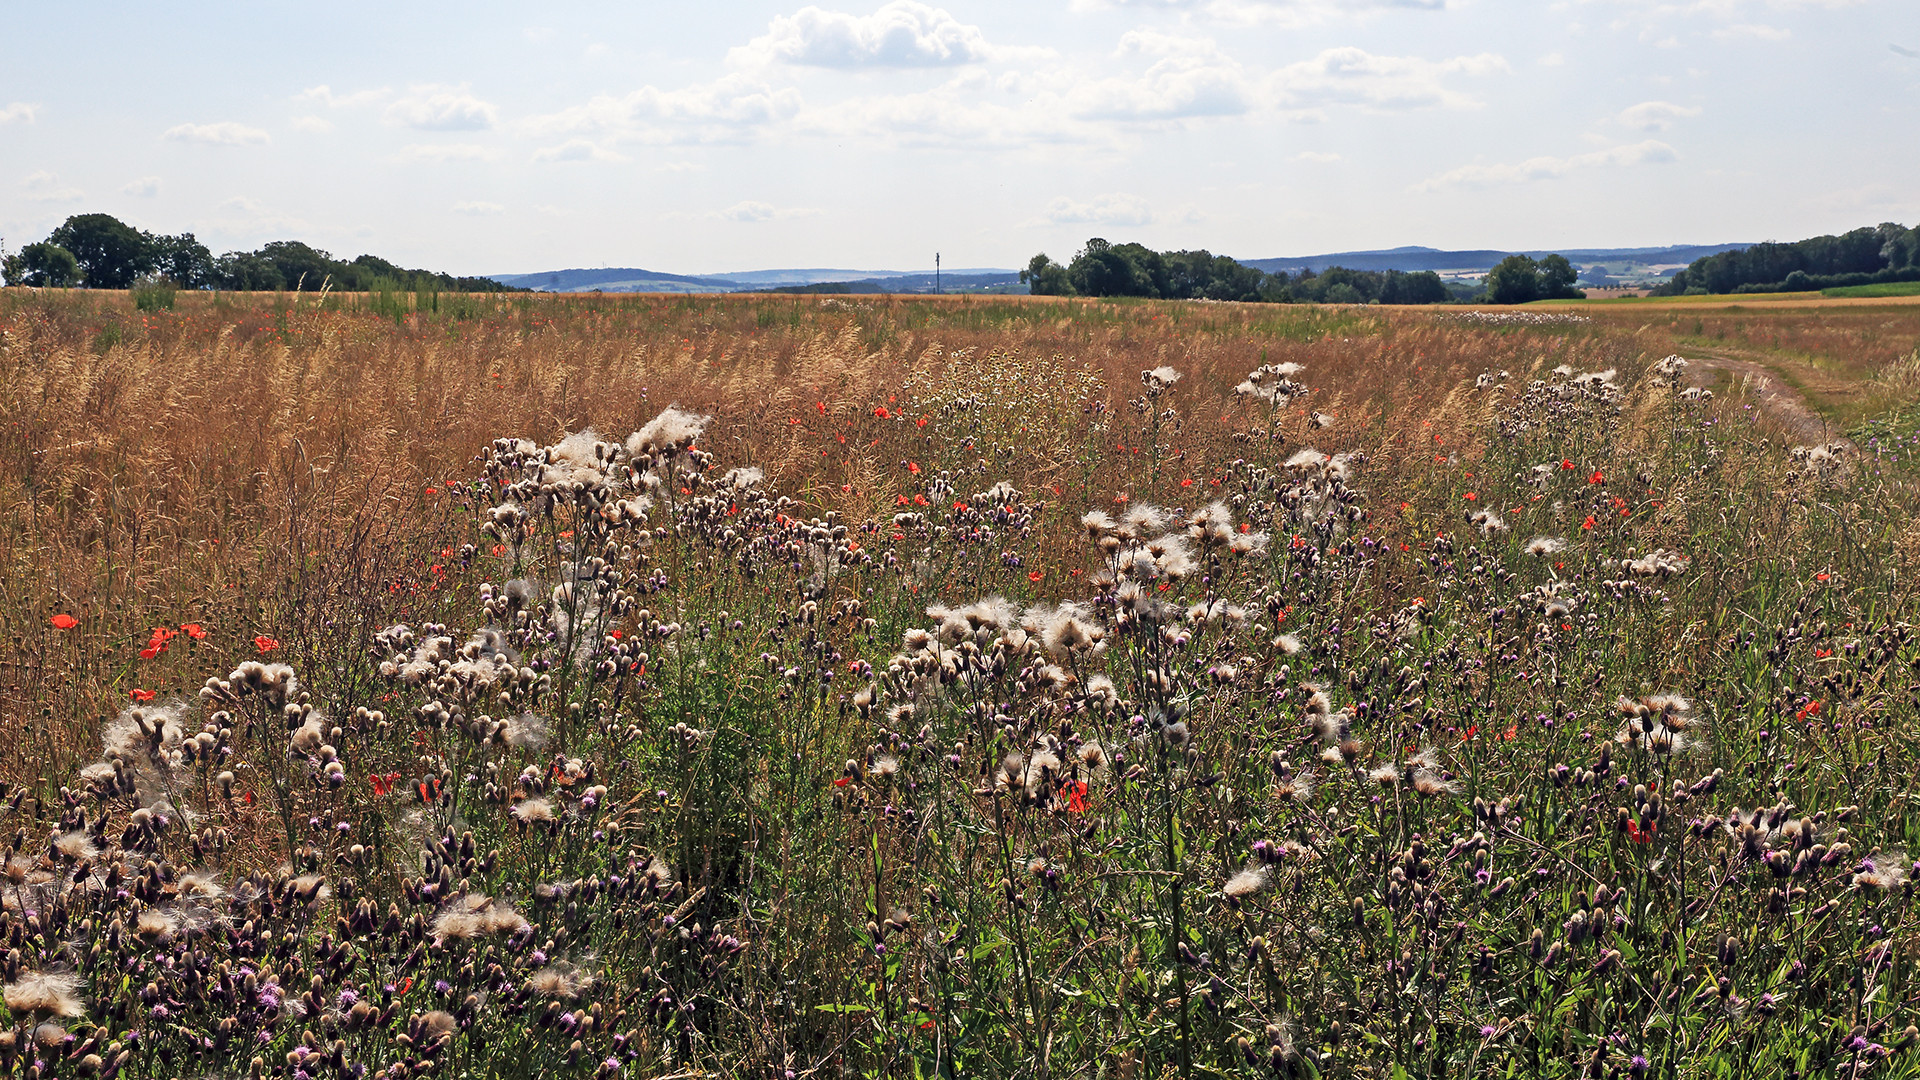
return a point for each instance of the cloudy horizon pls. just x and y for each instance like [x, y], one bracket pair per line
[870, 135]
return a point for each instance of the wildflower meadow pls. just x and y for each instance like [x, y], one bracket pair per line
[776, 686]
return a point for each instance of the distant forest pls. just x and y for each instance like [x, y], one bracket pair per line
[1866, 256]
[102, 252]
[1107, 269]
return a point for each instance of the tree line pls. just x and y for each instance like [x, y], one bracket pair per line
[1865, 256]
[1102, 268]
[100, 251]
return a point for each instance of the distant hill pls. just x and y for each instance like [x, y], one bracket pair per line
[1006, 281]
[628, 279]
[1414, 259]
[622, 279]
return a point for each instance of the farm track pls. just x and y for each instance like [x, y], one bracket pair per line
[1781, 399]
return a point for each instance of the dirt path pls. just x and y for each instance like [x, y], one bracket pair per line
[1772, 393]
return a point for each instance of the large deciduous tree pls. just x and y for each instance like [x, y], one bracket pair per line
[111, 253]
[46, 265]
[1516, 280]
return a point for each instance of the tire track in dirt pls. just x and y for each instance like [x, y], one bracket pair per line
[1773, 394]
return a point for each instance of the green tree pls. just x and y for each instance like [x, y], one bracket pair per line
[1104, 269]
[1043, 277]
[1557, 276]
[184, 260]
[1515, 281]
[301, 266]
[45, 264]
[111, 253]
[244, 271]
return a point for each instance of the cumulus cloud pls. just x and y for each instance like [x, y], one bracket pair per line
[1113, 208]
[577, 150]
[753, 212]
[478, 208]
[1188, 77]
[225, 133]
[45, 187]
[725, 110]
[20, 110]
[903, 33]
[318, 125]
[1649, 152]
[146, 187]
[324, 95]
[1655, 115]
[443, 108]
[1353, 76]
[972, 110]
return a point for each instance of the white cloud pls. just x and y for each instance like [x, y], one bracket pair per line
[577, 150]
[1353, 76]
[318, 125]
[969, 111]
[478, 208]
[1549, 168]
[1552, 59]
[243, 204]
[1760, 31]
[538, 34]
[443, 108]
[225, 133]
[325, 95]
[724, 110]
[45, 187]
[1655, 115]
[1114, 208]
[1316, 157]
[146, 187]
[753, 212]
[20, 110]
[442, 152]
[1191, 77]
[903, 33]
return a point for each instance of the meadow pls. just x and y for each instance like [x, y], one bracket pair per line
[802, 687]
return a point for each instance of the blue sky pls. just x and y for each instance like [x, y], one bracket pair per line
[490, 137]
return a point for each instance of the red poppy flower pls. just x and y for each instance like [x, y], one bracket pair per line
[64, 621]
[265, 644]
[1597, 477]
[142, 695]
[1076, 793]
[1034, 575]
[193, 630]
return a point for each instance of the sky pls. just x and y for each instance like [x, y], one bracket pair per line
[684, 137]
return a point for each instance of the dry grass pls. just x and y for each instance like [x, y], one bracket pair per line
[291, 479]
